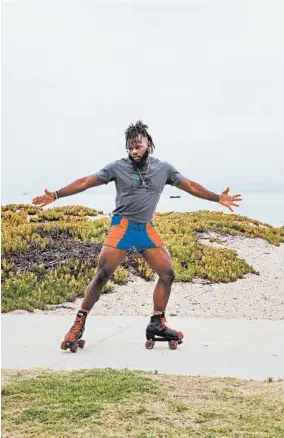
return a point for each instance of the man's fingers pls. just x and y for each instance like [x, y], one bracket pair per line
[235, 205]
[225, 192]
[47, 198]
[40, 202]
[37, 200]
[48, 193]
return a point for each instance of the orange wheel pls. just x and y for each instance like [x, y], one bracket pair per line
[149, 344]
[180, 336]
[81, 343]
[173, 345]
[74, 347]
[63, 345]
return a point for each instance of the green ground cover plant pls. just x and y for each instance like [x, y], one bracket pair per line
[48, 257]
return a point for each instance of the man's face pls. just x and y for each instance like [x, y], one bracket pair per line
[137, 148]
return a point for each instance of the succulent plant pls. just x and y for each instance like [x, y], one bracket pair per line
[49, 257]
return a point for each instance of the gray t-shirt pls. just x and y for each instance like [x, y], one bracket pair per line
[137, 199]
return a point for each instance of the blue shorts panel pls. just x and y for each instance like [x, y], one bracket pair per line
[126, 234]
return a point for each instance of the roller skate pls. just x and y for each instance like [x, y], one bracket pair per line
[157, 330]
[73, 338]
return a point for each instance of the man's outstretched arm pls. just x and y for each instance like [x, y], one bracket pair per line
[77, 186]
[199, 191]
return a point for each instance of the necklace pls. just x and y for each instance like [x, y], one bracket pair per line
[143, 180]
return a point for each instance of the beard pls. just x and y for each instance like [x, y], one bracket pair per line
[142, 162]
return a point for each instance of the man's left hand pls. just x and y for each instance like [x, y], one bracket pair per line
[229, 201]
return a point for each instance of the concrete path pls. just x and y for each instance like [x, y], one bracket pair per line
[212, 347]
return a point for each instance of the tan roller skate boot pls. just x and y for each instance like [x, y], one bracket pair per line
[73, 338]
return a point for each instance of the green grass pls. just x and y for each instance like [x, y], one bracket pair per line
[51, 258]
[110, 403]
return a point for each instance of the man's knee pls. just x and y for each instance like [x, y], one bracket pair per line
[167, 276]
[103, 275]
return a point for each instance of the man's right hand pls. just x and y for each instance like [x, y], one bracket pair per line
[45, 199]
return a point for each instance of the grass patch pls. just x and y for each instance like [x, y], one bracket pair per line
[111, 403]
[49, 257]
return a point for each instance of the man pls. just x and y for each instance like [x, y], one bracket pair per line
[140, 180]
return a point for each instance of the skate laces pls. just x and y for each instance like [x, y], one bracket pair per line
[78, 324]
[163, 322]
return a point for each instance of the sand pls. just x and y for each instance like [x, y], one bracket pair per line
[252, 297]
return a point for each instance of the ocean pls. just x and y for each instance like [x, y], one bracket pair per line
[266, 207]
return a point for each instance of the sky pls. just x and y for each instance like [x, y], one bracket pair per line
[207, 78]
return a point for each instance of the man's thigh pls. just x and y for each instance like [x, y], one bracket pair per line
[159, 259]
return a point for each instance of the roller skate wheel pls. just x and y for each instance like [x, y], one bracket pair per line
[149, 344]
[173, 345]
[81, 343]
[74, 347]
[63, 345]
[180, 336]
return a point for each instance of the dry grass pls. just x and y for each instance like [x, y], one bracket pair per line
[119, 404]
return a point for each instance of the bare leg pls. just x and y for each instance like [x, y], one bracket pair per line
[109, 260]
[160, 261]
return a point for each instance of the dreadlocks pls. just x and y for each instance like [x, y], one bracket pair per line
[139, 128]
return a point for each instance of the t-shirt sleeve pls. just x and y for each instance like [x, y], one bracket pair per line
[108, 173]
[173, 175]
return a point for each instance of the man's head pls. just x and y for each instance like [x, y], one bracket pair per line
[139, 143]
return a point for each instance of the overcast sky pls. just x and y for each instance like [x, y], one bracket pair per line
[207, 77]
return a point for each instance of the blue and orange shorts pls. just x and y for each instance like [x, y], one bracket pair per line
[125, 234]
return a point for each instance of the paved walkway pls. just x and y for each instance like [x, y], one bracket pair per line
[212, 347]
